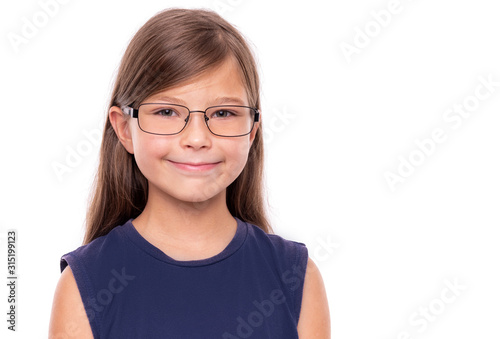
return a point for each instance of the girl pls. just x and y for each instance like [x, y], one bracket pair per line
[177, 243]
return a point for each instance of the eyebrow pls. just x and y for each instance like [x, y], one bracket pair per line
[216, 101]
[171, 100]
[227, 100]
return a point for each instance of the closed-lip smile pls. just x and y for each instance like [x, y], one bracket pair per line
[195, 166]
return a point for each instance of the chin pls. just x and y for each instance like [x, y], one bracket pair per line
[199, 195]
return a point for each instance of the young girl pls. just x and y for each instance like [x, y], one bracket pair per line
[177, 242]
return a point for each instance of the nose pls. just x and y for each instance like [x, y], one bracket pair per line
[196, 132]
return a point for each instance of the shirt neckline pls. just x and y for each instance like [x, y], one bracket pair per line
[238, 239]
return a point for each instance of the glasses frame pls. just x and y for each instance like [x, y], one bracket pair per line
[134, 113]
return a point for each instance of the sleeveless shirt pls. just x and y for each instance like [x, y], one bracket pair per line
[132, 289]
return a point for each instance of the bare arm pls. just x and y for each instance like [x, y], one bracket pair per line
[314, 320]
[68, 318]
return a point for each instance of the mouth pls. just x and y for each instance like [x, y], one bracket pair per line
[195, 167]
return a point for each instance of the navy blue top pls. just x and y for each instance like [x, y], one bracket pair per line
[132, 289]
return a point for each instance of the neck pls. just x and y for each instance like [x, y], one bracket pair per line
[178, 227]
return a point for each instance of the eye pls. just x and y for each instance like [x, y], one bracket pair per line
[166, 112]
[222, 113]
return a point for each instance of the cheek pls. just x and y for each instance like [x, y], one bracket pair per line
[237, 156]
[148, 150]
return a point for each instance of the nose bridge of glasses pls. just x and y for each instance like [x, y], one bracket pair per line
[205, 118]
[197, 111]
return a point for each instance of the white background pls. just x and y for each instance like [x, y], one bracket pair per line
[333, 128]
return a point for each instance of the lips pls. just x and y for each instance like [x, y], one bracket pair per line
[195, 163]
[195, 166]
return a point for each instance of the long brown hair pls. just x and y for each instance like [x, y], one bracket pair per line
[172, 47]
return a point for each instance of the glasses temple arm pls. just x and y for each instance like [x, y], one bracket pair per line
[134, 113]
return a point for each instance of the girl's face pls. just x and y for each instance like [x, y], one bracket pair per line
[156, 155]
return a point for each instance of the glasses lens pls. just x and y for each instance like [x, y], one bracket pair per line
[230, 120]
[162, 118]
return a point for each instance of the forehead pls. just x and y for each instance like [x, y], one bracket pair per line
[220, 84]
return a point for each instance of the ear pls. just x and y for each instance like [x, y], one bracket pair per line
[121, 125]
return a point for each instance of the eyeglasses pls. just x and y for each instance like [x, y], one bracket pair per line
[169, 119]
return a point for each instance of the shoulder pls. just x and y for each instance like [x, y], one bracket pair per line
[301, 276]
[314, 320]
[275, 241]
[68, 317]
[290, 255]
[93, 252]
[83, 272]
[287, 260]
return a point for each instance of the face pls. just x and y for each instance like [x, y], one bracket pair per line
[157, 155]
